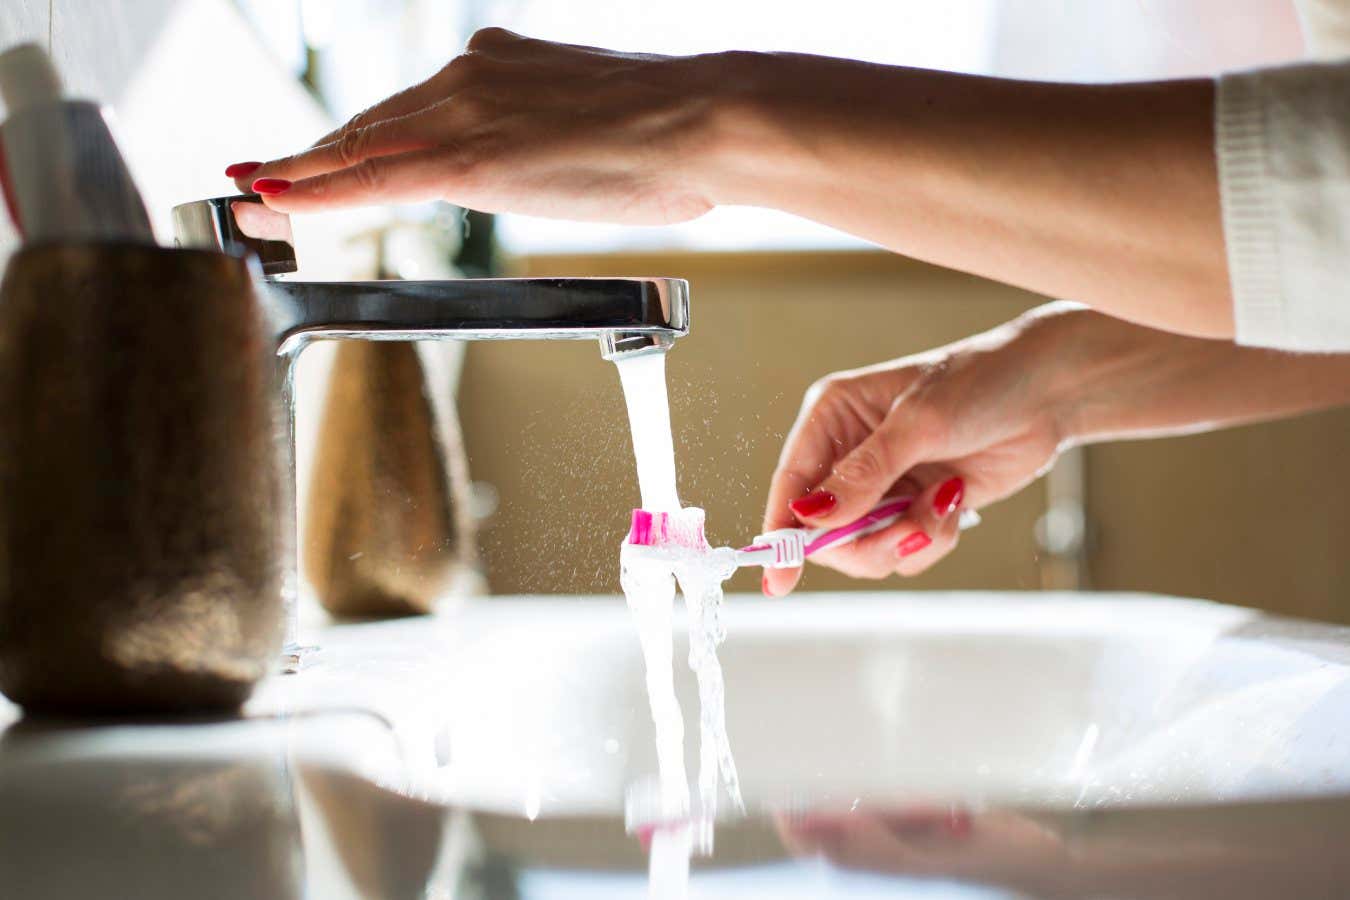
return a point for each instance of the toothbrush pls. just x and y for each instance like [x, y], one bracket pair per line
[788, 548]
[784, 548]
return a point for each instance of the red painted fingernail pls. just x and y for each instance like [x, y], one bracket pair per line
[242, 170]
[816, 503]
[912, 544]
[949, 496]
[959, 823]
[271, 186]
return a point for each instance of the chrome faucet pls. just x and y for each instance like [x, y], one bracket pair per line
[627, 316]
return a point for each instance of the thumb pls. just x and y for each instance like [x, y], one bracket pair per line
[862, 477]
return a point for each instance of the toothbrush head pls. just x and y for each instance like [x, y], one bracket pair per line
[640, 531]
[682, 529]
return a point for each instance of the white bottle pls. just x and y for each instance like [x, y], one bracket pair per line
[60, 168]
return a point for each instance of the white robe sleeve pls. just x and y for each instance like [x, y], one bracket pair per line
[1282, 137]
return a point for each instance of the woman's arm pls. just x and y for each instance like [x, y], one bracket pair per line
[976, 421]
[1107, 194]
[1140, 383]
[1104, 193]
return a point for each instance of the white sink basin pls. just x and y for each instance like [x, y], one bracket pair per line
[537, 706]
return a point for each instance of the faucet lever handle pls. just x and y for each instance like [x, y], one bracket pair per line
[242, 223]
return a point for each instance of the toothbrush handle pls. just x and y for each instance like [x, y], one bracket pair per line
[878, 517]
[789, 547]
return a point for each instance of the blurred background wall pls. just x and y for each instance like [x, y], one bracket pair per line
[1252, 516]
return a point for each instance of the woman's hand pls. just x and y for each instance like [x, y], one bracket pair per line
[526, 126]
[926, 841]
[961, 426]
[975, 421]
[1105, 193]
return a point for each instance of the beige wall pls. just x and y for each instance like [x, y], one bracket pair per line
[1254, 516]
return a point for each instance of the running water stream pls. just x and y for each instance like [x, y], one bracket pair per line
[643, 376]
[649, 582]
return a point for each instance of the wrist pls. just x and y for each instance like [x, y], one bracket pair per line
[740, 154]
[1057, 336]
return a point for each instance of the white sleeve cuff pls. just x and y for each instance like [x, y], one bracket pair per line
[1282, 138]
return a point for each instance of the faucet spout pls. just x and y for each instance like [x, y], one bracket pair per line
[617, 344]
[621, 312]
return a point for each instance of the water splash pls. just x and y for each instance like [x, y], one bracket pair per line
[649, 576]
[701, 580]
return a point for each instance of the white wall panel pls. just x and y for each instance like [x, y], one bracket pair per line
[20, 21]
[99, 46]
[23, 20]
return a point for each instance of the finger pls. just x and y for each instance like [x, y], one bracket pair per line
[861, 840]
[450, 78]
[406, 134]
[401, 178]
[873, 555]
[780, 582]
[807, 453]
[357, 132]
[924, 820]
[492, 38]
[862, 477]
[916, 541]
[919, 556]
[935, 513]
[817, 839]
[501, 43]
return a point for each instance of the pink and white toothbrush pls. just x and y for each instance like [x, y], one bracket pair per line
[783, 548]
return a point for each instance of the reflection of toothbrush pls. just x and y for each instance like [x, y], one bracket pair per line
[784, 548]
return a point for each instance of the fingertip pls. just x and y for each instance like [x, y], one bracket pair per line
[942, 541]
[915, 542]
[242, 170]
[814, 505]
[270, 187]
[245, 175]
[778, 583]
[286, 196]
[244, 181]
[948, 496]
[279, 203]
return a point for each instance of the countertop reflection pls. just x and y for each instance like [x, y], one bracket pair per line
[227, 809]
[298, 798]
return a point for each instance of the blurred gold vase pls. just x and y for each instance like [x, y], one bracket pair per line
[385, 535]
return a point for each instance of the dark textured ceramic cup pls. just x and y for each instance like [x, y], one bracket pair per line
[140, 551]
